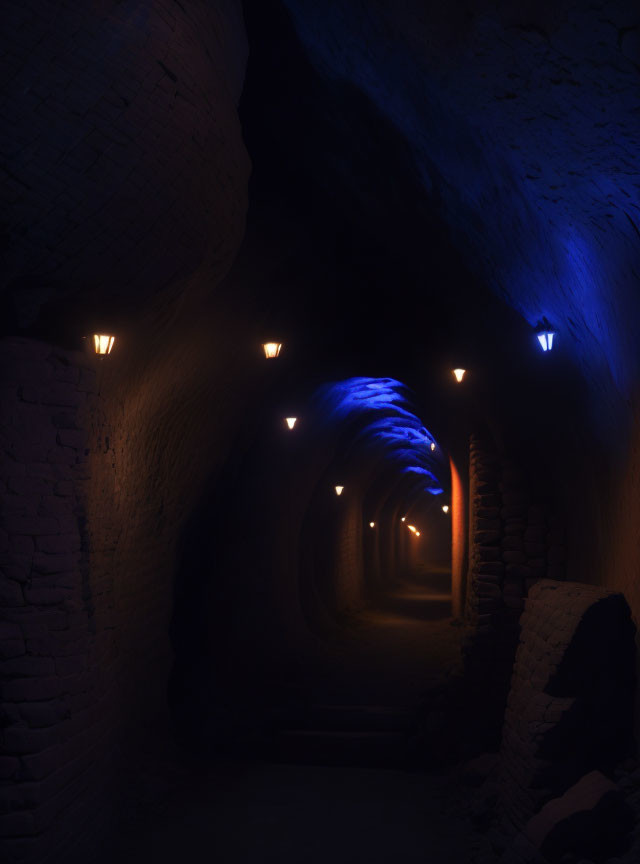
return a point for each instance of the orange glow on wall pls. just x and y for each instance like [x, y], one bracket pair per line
[458, 542]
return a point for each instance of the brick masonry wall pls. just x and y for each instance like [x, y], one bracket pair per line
[513, 541]
[132, 462]
[574, 666]
[123, 171]
[56, 636]
[512, 545]
[348, 564]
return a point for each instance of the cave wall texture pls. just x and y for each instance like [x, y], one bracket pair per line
[123, 173]
[123, 165]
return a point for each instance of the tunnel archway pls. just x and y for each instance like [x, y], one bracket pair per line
[314, 560]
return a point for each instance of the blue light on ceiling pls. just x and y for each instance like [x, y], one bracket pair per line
[543, 203]
[392, 426]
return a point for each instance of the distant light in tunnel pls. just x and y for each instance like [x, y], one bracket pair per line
[271, 349]
[433, 445]
[291, 421]
[459, 374]
[445, 508]
[545, 336]
[103, 344]
[372, 524]
[339, 490]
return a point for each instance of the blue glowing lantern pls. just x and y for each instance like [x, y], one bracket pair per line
[545, 336]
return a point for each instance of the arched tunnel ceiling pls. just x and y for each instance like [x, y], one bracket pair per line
[382, 430]
[485, 144]
[522, 123]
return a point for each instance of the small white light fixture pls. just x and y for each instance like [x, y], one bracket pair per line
[372, 524]
[404, 519]
[433, 445]
[339, 490]
[412, 528]
[417, 533]
[445, 508]
[291, 421]
[271, 349]
[545, 335]
[459, 374]
[103, 343]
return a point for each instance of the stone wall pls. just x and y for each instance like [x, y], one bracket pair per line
[513, 544]
[123, 160]
[169, 406]
[570, 708]
[348, 564]
[56, 637]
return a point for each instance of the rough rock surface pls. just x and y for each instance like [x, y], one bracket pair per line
[122, 166]
[570, 705]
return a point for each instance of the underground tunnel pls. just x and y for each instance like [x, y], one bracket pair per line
[320, 454]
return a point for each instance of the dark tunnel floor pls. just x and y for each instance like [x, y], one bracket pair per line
[393, 651]
[382, 659]
[259, 813]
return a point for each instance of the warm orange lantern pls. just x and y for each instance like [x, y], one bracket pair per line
[271, 349]
[103, 344]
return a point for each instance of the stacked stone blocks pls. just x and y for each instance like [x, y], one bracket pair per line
[55, 648]
[533, 767]
[512, 543]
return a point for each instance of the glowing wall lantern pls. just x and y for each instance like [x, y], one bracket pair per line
[459, 374]
[545, 336]
[339, 490]
[404, 519]
[417, 533]
[271, 349]
[433, 445]
[445, 508]
[412, 528]
[372, 524]
[291, 421]
[103, 343]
